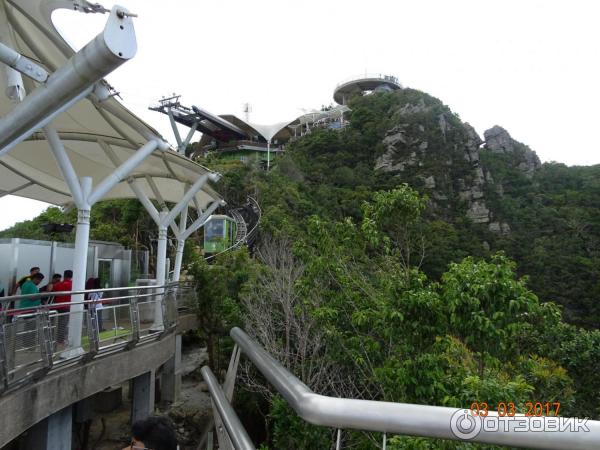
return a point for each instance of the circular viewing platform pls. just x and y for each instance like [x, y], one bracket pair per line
[364, 83]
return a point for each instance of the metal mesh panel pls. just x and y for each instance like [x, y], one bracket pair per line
[59, 326]
[170, 307]
[115, 325]
[22, 346]
[147, 309]
[186, 296]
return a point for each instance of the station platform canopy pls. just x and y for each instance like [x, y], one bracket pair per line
[280, 132]
[98, 132]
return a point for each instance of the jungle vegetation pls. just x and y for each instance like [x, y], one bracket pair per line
[362, 289]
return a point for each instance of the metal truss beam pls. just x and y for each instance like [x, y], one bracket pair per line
[72, 82]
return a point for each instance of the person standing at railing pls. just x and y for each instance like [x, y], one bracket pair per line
[96, 301]
[61, 304]
[30, 287]
[50, 287]
[22, 280]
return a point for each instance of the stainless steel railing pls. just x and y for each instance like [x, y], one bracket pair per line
[369, 76]
[34, 340]
[402, 418]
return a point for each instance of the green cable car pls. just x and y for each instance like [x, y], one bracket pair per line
[219, 234]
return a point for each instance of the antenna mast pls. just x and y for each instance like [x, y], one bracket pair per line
[247, 111]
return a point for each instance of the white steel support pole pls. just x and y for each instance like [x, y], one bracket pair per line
[178, 259]
[161, 270]
[268, 154]
[84, 198]
[188, 138]
[161, 252]
[123, 170]
[189, 195]
[175, 129]
[82, 239]
[180, 245]
[62, 159]
[107, 51]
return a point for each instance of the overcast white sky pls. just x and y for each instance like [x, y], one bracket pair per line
[529, 66]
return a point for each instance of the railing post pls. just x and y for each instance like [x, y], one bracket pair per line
[231, 374]
[163, 309]
[45, 337]
[134, 313]
[3, 360]
[93, 332]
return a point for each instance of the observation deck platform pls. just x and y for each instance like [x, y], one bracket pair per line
[365, 83]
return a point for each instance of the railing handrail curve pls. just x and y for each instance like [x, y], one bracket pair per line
[400, 418]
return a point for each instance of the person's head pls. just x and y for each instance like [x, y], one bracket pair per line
[89, 284]
[68, 274]
[56, 278]
[34, 270]
[37, 278]
[97, 284]
[153, 433]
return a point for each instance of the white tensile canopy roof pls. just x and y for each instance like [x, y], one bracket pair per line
[284, 130]
[98, 135]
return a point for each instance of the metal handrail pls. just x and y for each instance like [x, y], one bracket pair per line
[12, 298]
[402, 418]
[235, 430]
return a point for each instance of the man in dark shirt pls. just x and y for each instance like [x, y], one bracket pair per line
[50, 287]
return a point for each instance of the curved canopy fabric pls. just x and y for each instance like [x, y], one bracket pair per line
[98, 135]
[283, 131]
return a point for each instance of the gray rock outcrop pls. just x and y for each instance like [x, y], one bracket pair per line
[498, 140]
[441, 155]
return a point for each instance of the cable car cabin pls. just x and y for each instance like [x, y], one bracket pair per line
[219, 234]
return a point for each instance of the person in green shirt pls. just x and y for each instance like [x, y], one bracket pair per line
[22, 280]
[31, 287]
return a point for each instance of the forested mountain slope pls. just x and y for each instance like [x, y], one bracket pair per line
[402, 258]
[483, 196]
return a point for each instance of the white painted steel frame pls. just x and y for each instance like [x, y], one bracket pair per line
[85, 196]
[163, 220]
[185, 232]
[71, 82]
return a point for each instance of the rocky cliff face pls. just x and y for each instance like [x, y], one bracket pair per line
[428, 146]
[431, 147]
[497, 140]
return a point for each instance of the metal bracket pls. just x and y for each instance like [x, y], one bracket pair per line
[87, 7]
[22, 64]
